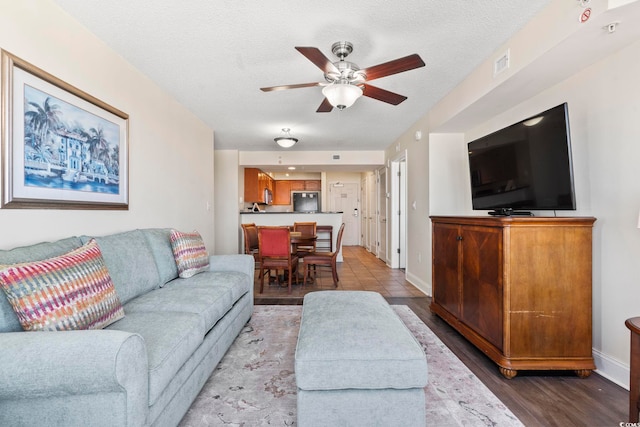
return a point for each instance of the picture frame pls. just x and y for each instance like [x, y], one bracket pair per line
[61, 148]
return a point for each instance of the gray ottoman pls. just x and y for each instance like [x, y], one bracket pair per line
[357, 364]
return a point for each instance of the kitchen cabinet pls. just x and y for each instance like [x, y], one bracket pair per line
[305, 185]
[255, 182]
[312, 185]
[519, 289]
[284, 187]
[282, 194]
[297, 185]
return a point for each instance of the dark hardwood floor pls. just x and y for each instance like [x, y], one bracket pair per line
[537, 398]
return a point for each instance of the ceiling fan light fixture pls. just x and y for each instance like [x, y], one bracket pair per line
[286, 141]
[342, 95]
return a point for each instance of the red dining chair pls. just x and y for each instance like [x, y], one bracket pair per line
[324, 259]
[274, 248]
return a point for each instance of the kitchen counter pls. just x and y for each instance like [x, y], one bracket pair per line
[287, 213]
[333, 219]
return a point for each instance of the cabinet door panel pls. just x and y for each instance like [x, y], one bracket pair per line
[482, 282]
[312, 185]
[251, 185]
[551, 291]
[282, 195]
[446, 283]
[297, 185]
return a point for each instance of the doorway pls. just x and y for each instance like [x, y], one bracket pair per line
[382, 213]
[343, 197]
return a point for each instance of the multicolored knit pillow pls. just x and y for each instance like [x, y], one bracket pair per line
[190, 254]
[67, 292]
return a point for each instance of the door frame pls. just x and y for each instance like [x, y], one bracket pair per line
[398, 218]
[383, 196]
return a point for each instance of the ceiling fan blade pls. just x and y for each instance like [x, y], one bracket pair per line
[394, 67]
[284, 87]
[382, 95]
[314, 55]
[325, 107]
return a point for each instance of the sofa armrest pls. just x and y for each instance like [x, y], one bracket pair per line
[242, 263]
[51, 365]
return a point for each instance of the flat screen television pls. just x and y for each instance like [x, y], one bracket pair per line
[523, 167]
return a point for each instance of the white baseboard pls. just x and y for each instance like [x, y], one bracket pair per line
[611, 369]
[419, 284]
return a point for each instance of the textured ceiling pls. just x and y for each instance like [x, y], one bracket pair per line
[213, 56]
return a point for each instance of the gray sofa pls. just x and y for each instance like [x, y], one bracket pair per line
[144, 369]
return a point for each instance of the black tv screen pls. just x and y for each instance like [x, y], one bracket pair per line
[525, 166]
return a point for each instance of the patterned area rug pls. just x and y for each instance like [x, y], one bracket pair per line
[254, 384]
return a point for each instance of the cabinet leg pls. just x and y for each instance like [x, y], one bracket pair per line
[508, 373]
[583, 373]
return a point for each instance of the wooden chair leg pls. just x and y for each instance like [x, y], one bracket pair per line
[290, 278]
[334, 271]
[262, 278]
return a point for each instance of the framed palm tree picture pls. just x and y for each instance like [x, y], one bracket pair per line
[61, 147]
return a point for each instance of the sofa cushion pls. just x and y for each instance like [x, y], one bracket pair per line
[170, 337]
[8, 319]
[67, 292]
[237, 283]
[209, 295]
[190, 253]
[130, 263]
[159, 240]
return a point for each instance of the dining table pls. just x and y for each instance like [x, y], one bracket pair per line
[297, 238]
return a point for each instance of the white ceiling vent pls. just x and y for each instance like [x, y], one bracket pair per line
[501, 64]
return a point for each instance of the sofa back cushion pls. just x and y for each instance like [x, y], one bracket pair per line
[130, 262]
[159, 239]
[8, 319]
[67, 292]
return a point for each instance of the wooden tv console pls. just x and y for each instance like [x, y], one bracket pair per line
[518, 288]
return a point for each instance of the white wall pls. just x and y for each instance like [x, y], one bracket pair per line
[170, 153]
[312, 158]
[227, 202]
[418, 268]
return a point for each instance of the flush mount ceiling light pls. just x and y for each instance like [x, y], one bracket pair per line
[285, 141]
[342, 95]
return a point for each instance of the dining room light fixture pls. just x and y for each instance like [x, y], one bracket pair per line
[342, 95]
[286, 141]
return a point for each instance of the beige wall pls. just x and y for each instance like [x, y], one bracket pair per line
[171, 151]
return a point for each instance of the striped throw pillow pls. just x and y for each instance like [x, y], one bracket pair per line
[190, 254]
[67, 292]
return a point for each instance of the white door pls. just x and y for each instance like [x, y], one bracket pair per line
[344, 198]
[382, 214]
[371, 218]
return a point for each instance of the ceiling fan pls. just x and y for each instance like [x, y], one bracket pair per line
[346, 82]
